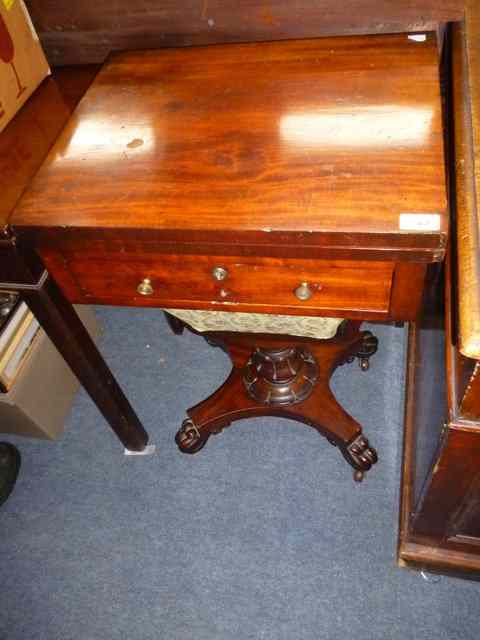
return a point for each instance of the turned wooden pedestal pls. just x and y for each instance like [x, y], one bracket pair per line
[284, 376]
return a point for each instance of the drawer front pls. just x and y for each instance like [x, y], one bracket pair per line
[268, 284]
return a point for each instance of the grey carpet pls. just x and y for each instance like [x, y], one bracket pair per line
[263, 535]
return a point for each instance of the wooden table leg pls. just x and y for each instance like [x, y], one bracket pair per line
[289, 377]
[65, 329]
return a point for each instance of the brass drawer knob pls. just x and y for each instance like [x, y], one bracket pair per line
[303, 291]
[145, 287]
[219, 273]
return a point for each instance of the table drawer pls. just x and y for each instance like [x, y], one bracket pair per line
[296, 286]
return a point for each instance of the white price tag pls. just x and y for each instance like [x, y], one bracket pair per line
[417, 37]
[419, 222]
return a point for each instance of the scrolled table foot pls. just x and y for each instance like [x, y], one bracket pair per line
[360, 455]
[367, 350]
[189, 439]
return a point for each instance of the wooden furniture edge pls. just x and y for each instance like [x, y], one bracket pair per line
[408, 452]
[424, 557]
[411, 553]
[87, 32]
[466, 100]
[415, 549]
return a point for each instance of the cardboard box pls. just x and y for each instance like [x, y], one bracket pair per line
[22, 62]
[42, 393]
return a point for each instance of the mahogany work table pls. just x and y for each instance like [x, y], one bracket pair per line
[301, 178]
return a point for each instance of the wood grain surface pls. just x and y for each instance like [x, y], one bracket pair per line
[301, 141]
[466, 90]
[85, 31]
[26, 140]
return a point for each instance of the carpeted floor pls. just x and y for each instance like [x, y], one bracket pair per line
[263, 535]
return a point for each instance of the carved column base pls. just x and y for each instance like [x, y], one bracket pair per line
[284, 376]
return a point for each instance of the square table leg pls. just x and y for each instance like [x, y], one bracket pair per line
[61, 323]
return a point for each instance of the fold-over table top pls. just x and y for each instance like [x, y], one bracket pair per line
[328, 138]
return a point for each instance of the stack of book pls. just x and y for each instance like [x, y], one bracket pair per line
[16, 339]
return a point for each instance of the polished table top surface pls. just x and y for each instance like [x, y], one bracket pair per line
[333, 137]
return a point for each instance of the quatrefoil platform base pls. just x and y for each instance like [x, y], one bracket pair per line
[286, 376]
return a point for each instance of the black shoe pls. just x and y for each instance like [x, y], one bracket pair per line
[9, 466]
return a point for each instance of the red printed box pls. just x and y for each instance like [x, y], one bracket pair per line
[22, 62]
